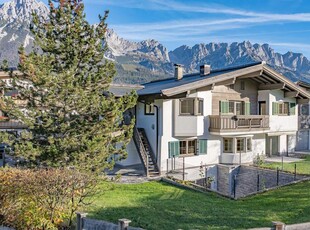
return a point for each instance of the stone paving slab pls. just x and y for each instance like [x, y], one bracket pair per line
[128, 175]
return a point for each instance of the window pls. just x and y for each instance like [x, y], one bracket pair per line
[191, 147]
[228, 145]
[231, 108]
[191, 106]
[235, 107]
[248, 144]
[200, 106]
[188, 147]
[149, 109]
[283, 108]
[241, 144]
[242, 86]
[187, 106]
[183, 150]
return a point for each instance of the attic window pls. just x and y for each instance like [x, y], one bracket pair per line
[242, 87]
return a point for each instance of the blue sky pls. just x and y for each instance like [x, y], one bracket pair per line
[284, 24]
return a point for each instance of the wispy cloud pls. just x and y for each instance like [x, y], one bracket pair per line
[214, 20]
[171, 5]
[291, 45]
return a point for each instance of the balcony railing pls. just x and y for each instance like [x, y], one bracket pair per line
[231, 123]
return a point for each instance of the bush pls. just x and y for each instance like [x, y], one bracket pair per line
[259, 160]
[42, 198]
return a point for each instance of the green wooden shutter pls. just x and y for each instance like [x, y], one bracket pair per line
[292, 108]
[224, 106]
[202, 147]
[174, 148]
[247, 108]
[275, 108]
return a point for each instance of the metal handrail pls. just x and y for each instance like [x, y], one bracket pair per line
[141, 149]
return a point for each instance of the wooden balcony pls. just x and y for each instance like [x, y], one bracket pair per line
[222, 124]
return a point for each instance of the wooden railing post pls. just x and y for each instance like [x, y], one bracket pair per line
[123, 224]
[79, 220]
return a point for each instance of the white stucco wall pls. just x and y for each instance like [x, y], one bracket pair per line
[132, 157]
[168, 126]
[148, 122]
[280, 123]
[192, 126]
[259, 144]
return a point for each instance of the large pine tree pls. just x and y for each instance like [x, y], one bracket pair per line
[72, 119]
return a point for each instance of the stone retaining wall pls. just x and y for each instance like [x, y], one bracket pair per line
[252, 179]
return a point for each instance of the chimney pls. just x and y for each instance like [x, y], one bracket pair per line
[205, 70]
[178, 71]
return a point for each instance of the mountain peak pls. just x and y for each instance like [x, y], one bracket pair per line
[21, 10]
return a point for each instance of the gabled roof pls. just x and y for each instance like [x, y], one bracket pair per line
[258, 71]
[303, 84]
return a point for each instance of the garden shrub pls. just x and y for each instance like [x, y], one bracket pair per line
[42, 198]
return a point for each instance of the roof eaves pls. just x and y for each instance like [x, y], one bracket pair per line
[212, 80]
[291, 84]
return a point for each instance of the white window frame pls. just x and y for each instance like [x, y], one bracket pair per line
[197, 109]
[247, 144]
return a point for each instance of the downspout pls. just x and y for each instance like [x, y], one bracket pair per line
[157, 132]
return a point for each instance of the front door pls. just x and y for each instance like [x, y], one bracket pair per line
[272, 146]
[262, 108]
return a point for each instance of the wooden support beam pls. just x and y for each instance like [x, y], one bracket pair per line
[259, 81]
[303, 101]
[271, 86]
[263, 80]
[291, 94]
[269, 78]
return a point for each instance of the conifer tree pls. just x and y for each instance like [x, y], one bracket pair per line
[72, 119]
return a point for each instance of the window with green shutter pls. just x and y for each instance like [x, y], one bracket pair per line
[275, 108]
[174, 149]
[224, 107]
[202, 147]
[247, 108]
[292, 108]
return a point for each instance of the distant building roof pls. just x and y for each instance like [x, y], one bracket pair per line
[120, 90]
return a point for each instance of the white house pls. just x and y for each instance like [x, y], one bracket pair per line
[227, 116]
[303, 134]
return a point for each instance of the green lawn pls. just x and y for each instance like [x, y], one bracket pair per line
[158, 205]
[303, 167]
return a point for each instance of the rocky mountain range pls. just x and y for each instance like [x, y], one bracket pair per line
[147, 60]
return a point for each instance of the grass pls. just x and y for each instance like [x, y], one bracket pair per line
[158, 205]
[303, 167]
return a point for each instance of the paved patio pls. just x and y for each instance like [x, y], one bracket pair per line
[279, 159]
[131, 174]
